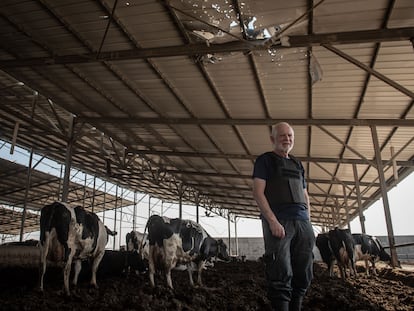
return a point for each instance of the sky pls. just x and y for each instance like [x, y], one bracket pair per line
[399, 197]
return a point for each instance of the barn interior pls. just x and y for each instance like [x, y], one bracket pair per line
[176, 99]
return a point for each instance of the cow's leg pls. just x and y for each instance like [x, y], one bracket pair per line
[78, 267]
[342, 270]
[66, 270]
[352, 268]
[331, 269]
[168, 277]
[151, 265]
[44, 249]
[190, 274]
[201, 266]
[366, 267]
[95, 265]
[374, 269]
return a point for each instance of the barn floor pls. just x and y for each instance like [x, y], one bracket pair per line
[229, 286]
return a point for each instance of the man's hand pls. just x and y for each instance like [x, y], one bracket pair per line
[277, 229]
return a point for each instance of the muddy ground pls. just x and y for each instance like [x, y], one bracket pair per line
[228, 286]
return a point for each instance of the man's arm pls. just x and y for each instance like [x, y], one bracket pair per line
[276, 228]
[305, 192]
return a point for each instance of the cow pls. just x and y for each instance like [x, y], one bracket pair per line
[176, 241]
[324, 246]
[368, 248]
[134, 240]
[137, 250]
[342, 246]
[71, 234]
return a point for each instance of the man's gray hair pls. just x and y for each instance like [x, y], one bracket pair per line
[276, 127]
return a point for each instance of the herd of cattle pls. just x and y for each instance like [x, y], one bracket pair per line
[72, 234]
[344, 248]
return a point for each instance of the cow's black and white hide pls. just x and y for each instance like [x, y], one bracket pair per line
[176, 241]
[369, 249]
[138, 252]
[324, 247]
[342, 246]
[71, 234]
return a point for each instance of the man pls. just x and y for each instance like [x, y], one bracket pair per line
[279, 189]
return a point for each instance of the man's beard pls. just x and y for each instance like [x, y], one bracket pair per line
[286, 149]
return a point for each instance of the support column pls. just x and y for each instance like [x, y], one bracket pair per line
[104, 203]
[348, 220]
[391, 238]
[358, 193]
[149, 206]
[180, 201]
[235, 236]
[228, 228]
[197, 202]
[134, 213]
[26, 194]
[68, 161]
[93, 194]
[116, 206]
[120, 219]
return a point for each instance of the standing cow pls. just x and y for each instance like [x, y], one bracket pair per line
[368, 248]
[342, 246]
[134, 239]
[71, 234]
[324, 246]
[177, 241]
[137, 251]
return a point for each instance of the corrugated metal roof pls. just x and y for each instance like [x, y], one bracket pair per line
[177, 97]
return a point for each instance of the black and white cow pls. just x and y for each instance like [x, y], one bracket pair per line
[71, 234]
[138, 251]
[369, 248]
[342, 246]
[176, 241]
[324, 247]
[134, 239]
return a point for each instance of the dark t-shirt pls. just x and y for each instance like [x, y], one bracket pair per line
[264, 167]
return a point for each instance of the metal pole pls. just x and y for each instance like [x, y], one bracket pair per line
[149, 206]
[235, 236]
[104, 203]
[68, 161]
[348, 220]
[180, 202]
[197, 201]
[358, 193]
[26, 194]
[134, 223]
[391, 238]
[116, 205]
[228, 228]
[93, 193]
[120, 220]
[84, 191]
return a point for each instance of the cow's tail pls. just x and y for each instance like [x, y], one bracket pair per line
[46, 216]
[143, 240]
[110, 232]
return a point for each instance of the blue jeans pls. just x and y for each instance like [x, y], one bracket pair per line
[289, 261]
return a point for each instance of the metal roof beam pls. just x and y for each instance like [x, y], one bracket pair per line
[252, 157]
[364, 36]
[247, 121]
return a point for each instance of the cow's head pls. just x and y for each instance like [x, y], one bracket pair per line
[222, 250]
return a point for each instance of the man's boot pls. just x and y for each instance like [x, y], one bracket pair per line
[296, 303]
[280, 305]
